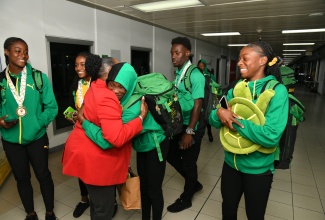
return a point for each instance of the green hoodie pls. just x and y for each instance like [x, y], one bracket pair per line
[206, 71]
[267, 135]
[32, 126]
[152, 134]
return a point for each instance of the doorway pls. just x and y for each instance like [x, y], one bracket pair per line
[140, 60]
[63, 55]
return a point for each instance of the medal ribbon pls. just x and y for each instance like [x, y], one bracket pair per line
[80, 96]
[183, 73]
[21, 96]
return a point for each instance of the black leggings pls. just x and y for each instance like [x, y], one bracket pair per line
[83, 188]
[256, 189]
[152, 172]
[209, 129]
[36, 154]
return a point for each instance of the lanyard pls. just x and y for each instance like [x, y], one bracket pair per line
[183, 73]
[21, 110]
[80, 96]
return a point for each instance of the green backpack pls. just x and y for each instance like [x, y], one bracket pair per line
[288, 138]
[212, 91]
[162, 102]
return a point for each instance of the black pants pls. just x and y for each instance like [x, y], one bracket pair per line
[152, 172]
[20, 157]
[256, 189]
[83, 188]
[102, 201]
[184, 161]
[209, 129]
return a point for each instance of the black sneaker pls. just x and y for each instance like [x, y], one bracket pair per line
[50, 216]
[31, 217]
[80, 208]
[179, 205]
[198, 187]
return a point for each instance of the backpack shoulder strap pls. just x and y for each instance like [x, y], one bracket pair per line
[134, 98]
[2, 76]
[38, 79]
[271, 84]
[187, 79]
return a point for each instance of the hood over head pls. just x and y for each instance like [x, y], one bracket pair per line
[124, 74]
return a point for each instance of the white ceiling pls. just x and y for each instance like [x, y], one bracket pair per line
[269, 16]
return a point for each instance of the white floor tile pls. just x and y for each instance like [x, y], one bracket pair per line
[279, 210]
[280, 196]
[305, 190]
[303, 214]
[307, 203]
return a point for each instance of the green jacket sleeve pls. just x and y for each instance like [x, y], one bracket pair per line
[94, 132]
[49, 103]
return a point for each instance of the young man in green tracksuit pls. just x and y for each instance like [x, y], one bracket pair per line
[25, 139]
[185, 147]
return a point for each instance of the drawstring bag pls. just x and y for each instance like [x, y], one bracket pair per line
[129, 192]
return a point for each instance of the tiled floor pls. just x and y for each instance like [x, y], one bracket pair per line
[298, 193]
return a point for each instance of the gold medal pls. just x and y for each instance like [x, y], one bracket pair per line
[21, 111]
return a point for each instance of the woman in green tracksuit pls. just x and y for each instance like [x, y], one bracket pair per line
[24, 139]
[151, 147]
[251, 174]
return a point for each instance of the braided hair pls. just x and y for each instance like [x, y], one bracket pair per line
[8, 43]
[183, 41]
[93, 64]
[265, 49]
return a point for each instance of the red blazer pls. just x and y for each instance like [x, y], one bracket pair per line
[83, 158]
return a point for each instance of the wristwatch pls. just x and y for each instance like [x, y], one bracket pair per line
[189, 130]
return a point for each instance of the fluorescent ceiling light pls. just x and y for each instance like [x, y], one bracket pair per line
[232, 3]
[317, 14]
[291, 54]
[294, 50]
[295, 44]
[221, 34]
[167, 5]
[303, 31]
[237, 45]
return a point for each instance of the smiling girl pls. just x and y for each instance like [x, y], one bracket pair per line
[25, 141]
[252, 174]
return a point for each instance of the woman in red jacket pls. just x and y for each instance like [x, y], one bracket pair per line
[102, 169]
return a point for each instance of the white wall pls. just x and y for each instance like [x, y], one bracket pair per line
[208, 52]
[39, 19]
[162, 46]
